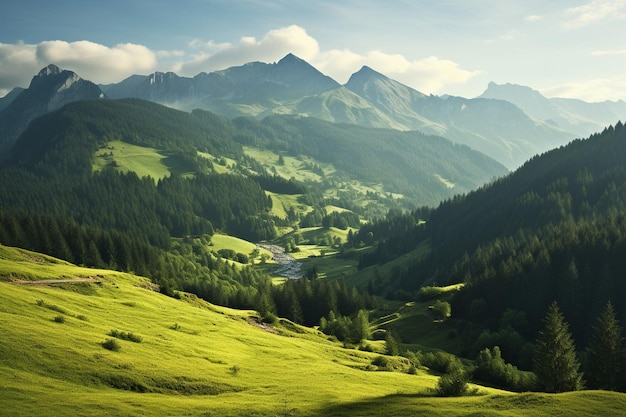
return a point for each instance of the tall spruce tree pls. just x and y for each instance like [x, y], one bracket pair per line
[604, 352]
[556, 365]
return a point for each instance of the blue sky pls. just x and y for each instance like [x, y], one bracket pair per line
[567, 48]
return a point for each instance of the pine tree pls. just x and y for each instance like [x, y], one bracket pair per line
[604, 351]
[556, 365]
[361, 326]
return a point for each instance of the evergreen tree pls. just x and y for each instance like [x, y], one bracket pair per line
[604, 351]
[556, 365]
[361, 326]
[391, 344]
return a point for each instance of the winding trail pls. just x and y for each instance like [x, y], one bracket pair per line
[54, 281]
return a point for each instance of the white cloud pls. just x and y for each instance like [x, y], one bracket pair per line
[17, 65]
[609, 52]
[20, 62]
[593, 12]
[274, 45]
[594, 90]
[170, 54]
[533, 18]
[97, 62]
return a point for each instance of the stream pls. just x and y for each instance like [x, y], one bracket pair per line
[288, 266]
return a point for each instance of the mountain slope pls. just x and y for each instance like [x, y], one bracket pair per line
[8, 99]
[49, 90]
[554, 229]
[572, 115]
[493, 127]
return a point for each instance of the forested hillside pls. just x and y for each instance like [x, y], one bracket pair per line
[552, 231]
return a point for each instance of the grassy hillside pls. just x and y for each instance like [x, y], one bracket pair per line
[145, 162]
[192, 358]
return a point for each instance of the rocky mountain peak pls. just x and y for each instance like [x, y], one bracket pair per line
[49, 70]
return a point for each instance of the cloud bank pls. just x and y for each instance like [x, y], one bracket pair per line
[20, 62]
[103, 64]
[593, 12]
[594, 90]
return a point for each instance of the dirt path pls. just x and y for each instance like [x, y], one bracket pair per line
[55, 281]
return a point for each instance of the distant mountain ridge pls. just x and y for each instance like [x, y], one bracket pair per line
[573, 115]
[49, 90]
[369, 98]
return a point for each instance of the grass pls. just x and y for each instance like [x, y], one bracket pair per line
[196, 359]
[145, 162]
[219, 241]
[292, 168]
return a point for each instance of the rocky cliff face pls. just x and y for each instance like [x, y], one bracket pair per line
[49, 90]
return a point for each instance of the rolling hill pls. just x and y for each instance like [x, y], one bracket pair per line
[113, 346]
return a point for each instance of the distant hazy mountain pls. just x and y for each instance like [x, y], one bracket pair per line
[573, 115]
[49, 90]
[494, 127]
[292, 86]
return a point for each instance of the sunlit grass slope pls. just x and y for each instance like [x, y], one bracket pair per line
[195, 359]
[126, 157]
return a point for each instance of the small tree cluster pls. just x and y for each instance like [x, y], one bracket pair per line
[346, 329]
[491, 368]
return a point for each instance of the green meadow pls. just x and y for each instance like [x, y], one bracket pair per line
[187, 357]
[145, 162]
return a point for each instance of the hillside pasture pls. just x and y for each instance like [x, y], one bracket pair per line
[125, 157]
[197, 359]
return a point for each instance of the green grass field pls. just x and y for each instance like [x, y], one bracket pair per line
[195, 359]
[126, 157]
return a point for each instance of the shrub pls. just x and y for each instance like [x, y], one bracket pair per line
[59, 319]
[438, 361]
[429, 293]
[126, 336]
[454, 382]
[441, 309]
[381, 361]
[111, 344]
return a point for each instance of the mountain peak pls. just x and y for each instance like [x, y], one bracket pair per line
[368, 72]
[49, 70]
[290, 58]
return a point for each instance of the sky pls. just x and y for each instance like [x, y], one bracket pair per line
[562, 48]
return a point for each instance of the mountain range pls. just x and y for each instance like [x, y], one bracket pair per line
[508, 123]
